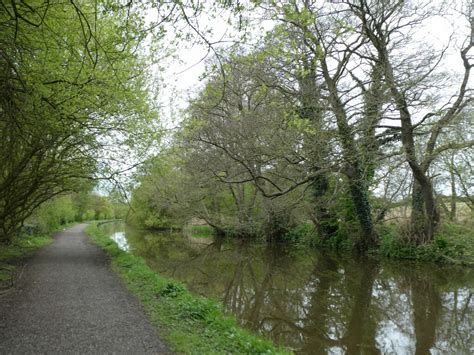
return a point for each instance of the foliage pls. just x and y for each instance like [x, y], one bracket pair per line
[54, 213]
[172, 290]
[72, 81]
[301, 234]
[452, 244]
[199, 231]
[190, 323]
[74, 207]
[155, 203]
[352, 74]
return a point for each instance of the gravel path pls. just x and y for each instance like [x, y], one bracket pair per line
[69, 301]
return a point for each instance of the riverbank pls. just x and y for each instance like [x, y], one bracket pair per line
[453, 244]
[188, 322]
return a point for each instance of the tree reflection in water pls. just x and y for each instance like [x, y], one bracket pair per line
[319, 303]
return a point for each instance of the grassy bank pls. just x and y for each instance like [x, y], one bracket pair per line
[189, 323]
[12, 254]
[453, 243]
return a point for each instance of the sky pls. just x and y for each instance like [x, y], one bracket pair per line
[180, 79]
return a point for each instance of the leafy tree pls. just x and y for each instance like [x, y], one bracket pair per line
[379, 89]
[245, 134]
[72, 81]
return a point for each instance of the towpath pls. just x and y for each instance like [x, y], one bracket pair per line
[69, 301]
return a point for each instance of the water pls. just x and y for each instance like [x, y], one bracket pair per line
[319, 303]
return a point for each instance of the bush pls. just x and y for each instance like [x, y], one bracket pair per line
[302, 233]
[453, 243]
[197, 308]
[172, 290]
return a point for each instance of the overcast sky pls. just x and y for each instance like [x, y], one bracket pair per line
[181, 77]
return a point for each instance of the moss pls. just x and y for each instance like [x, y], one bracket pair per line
[190, 323]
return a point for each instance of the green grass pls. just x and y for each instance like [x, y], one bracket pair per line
[190, 323]
[12, 253]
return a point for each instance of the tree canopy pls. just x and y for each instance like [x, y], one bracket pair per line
[73, 80]
[332, 117]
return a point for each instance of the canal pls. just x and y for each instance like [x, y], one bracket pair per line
[319, 303]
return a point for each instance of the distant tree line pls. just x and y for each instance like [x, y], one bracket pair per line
[73, 207]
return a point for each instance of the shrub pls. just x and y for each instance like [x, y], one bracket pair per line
[172, 290]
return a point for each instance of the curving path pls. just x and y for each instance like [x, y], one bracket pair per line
[69, 301]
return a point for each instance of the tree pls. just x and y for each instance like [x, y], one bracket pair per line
[326, 39]
[245, 134]
[72, 81]
[386, 24]
[160, 198]
[380, 89]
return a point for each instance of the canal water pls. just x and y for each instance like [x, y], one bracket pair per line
[318, 303]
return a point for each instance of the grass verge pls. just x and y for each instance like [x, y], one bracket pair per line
[189, 323]
[12, 254]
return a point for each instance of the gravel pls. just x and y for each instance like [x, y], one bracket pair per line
[68, 301]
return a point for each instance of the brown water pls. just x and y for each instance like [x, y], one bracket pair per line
[319, 303]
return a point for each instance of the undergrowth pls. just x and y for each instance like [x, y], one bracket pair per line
[190, 323]
[453, 243]
[198, 231]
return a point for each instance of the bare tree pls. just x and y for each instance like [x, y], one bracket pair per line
[387, 24]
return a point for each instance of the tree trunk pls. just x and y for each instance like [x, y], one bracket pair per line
[452, 212]
[357, 180]
[417, 211]
[425, 215]
[310, 97]
[323, 219]
[360, 198]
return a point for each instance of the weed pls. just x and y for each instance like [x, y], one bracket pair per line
[453, 243]
[172, 290]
